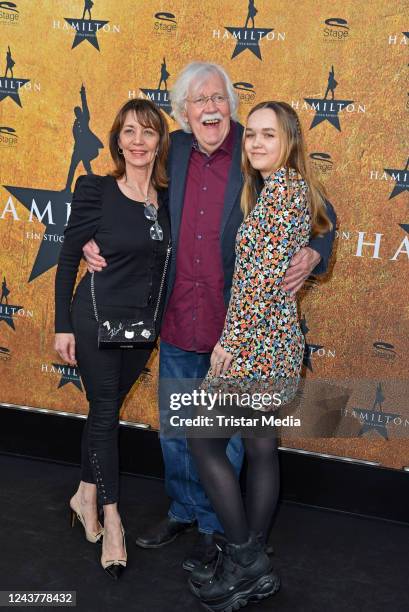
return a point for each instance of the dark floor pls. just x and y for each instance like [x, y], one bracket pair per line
[328, 562]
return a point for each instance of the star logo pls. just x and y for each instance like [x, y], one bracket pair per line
[9, 84]
[160, 96]
[406, 34]
[68, 375]
[7, 311]
[401, 177]
[375, 419]
[328, 109]
[309, 349]
[52, 210]
[86, 28]
[248, 37]
[405, 227]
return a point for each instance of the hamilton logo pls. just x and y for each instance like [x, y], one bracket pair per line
[328, 109]
[248, 37]
[375, 419]
[309, 349]
[7, 311]
[86, 28]
[9, 84]
[401, 177]
[160, 95]
[69, 374]
[52, 208]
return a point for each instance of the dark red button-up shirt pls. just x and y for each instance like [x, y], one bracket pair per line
[195, 314]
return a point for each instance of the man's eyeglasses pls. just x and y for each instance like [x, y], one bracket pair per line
[156, 232]
[201, 101]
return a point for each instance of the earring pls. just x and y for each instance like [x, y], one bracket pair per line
[120, 151]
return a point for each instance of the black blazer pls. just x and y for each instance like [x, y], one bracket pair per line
[178, 163]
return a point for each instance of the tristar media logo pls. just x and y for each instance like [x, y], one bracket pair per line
[246, 92]
[384, 350]
[335, 29]
[322, 162]
[9, 84]
[165, 24]
[328, 107]
[67, 374]
[160, 95]
[376, 419]
[51, 207]
[248, 37]
[86, 27]
[9, 310]
[9, 13]
[8, 136]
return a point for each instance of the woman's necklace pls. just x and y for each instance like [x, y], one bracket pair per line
[139, 192]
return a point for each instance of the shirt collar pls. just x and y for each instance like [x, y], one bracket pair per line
[226, 146]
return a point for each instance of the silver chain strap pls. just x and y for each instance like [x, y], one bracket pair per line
[165, 267]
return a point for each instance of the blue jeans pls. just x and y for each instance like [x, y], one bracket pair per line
[189, 501]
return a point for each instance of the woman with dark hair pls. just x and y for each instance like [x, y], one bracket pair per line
[261, 348]
[126, 212]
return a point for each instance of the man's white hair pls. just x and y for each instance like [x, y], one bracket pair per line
[192, 77]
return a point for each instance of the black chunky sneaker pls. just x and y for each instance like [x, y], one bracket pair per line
[203, 552]
[243, 573]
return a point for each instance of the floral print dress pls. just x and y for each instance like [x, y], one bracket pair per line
[261, 329]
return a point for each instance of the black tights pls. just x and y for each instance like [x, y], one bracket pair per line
[223, 488]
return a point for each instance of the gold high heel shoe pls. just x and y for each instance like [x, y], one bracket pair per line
[76, 514]
[115, 567]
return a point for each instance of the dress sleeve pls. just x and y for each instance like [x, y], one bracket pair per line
[277, 238]
[86, 210]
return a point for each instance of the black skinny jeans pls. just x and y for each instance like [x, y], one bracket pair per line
[108, 376]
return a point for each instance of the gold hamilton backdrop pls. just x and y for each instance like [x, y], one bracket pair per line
[66, 66]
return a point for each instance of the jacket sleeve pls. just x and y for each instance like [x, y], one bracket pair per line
[323, 244]
[278, 228]
[82, 226]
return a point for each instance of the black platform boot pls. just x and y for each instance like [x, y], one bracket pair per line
[243, 573]
[205, 571]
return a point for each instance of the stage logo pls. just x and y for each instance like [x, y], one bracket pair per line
[165, 23]
[9, 13]
[376, 419]
[246, 92]
[86, 28]
[335, 29]
[50, 207]
[248, 37]
[9, 310]
[5, 353]
[328, 107]
[9, 84]
[384, 350]
[159, 95]
[8, 136]
[68, 374]
[322, 162]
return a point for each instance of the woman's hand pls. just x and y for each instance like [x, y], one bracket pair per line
[220, 360]
[65, 346]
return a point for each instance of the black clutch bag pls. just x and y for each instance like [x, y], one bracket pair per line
[129, 333]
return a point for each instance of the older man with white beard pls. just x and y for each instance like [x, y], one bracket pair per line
[204, 204]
